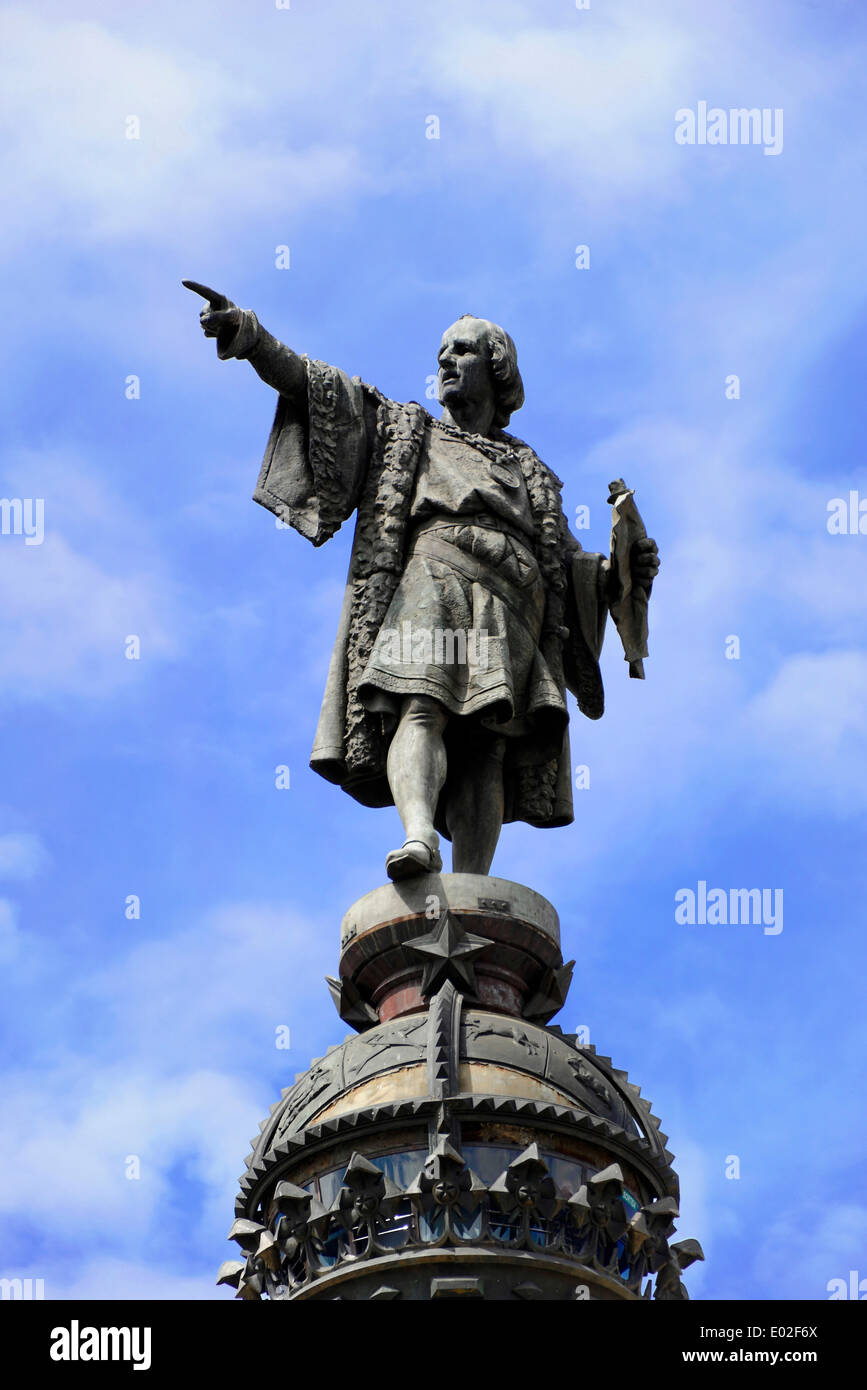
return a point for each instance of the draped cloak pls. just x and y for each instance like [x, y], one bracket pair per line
[355, 449]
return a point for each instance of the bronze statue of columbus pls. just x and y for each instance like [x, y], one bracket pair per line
[470, 608]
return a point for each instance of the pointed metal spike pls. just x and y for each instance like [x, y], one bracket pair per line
[230, 1272]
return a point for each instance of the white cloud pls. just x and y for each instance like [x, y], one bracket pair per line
[64, 622]
[807, 730]
[808, 1245]
[10, 937]
[179, 1021]
[70, 602]
[70, 88]
[696, 1221]
[592, 103]
[250, 967]
[107, 1117]
[22, 855]
[118, 1279]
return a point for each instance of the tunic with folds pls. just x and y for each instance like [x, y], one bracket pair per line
[464, 585]
[465, 621]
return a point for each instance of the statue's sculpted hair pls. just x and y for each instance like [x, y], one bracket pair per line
[504, 365]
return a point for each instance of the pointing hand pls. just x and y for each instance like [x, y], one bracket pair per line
[221, 319]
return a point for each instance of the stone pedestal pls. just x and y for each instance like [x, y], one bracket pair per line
[389, 946]
[454, 1145]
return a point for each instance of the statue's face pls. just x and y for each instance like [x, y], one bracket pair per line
[465, 375]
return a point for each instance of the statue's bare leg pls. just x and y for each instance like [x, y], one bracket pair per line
[474, 811]
[416, 772]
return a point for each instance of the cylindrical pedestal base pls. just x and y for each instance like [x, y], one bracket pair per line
[454, 1147]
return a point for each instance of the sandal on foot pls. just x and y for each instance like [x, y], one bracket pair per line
[413, 858]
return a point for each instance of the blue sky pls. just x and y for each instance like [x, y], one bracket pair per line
[306, 127]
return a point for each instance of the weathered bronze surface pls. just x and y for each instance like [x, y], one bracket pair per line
[470, 608]
[455, 1146]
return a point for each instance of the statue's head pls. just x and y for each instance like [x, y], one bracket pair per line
[478, 360]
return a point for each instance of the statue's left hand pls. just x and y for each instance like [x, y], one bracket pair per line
[644, 563]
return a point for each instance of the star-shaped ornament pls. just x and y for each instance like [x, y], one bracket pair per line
[551, 994]
[448, 952]
[349, 1004]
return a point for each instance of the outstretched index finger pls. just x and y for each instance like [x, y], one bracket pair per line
[217, 301]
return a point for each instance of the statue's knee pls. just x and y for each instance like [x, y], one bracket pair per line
[486, 747]
[424, 712]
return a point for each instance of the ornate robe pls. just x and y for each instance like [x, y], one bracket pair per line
[357, 450]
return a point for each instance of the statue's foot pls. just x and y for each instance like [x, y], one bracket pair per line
[413, 858]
